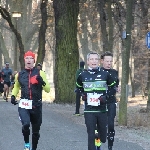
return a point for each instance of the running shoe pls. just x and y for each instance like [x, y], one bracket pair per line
[98, 143]
[6, 99]
[76, 114]
[27, 146]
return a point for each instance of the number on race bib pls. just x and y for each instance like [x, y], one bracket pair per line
[92, 99]
[25, 103]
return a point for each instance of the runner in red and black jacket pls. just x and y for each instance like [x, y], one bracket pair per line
[31, 81]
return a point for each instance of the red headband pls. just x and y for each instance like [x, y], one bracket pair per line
[29, 53]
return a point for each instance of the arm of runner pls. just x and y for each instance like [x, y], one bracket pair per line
[118, 88]
[79, 84]
[77, 73]
[3, 74]
[46, 88]
[16, 88]
[111, 82]
[117, 79]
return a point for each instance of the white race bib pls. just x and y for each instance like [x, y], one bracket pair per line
[25, 103]
[92, 99]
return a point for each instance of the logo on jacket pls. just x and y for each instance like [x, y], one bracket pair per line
[98, 77]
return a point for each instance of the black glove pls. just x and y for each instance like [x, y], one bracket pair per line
[13, 100]
[3, 75]
[40, 80]
[103, 99]
[84, 96]
[77, 90]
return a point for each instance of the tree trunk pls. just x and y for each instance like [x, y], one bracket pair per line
[83, 31]
[144, 27]
[25, 23]
[125, 66]
[16, 6]
[148, 85]
[67, 54]
[0, 57]
[132, 82]
[5, 14]
[110, 26]
[43, 27]
[93, 34]
[4, 50]
[104, 35]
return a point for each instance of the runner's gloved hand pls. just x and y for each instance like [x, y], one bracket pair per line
[13, 100]
[77, 90]
[3, 75]
[40, 80]
[84, 96]
[103, 99]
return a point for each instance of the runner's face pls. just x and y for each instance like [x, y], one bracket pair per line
[29, 62]
[93, 61]
[39, 67]
[107, 62]
[7, 65]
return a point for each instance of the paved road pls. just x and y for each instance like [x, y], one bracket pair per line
[60, 130]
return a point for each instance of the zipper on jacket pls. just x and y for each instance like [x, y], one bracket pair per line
[30, 94]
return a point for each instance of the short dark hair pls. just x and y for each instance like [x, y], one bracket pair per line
[107, 53]
[39, 64]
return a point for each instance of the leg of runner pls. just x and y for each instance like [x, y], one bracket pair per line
[24, 115]
[5, 89]
[78, 96]
[111, 131]
[36, 121]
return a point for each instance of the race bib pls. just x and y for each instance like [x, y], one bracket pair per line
[92, 99]
[25, 103]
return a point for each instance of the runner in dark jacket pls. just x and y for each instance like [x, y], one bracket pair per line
[106, 60]
[78, 93]
[94, 84]
[7, 73]
[31, 81]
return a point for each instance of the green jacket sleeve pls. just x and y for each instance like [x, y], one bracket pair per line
[46, 88]
[16, 88]
[77, 73]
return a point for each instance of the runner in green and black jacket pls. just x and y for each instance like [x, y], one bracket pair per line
[94, 84]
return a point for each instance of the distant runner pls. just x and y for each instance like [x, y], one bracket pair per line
[6, 75]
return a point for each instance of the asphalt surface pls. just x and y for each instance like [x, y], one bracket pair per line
[60, 130]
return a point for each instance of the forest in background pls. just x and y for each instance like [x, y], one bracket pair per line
[62, 32]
